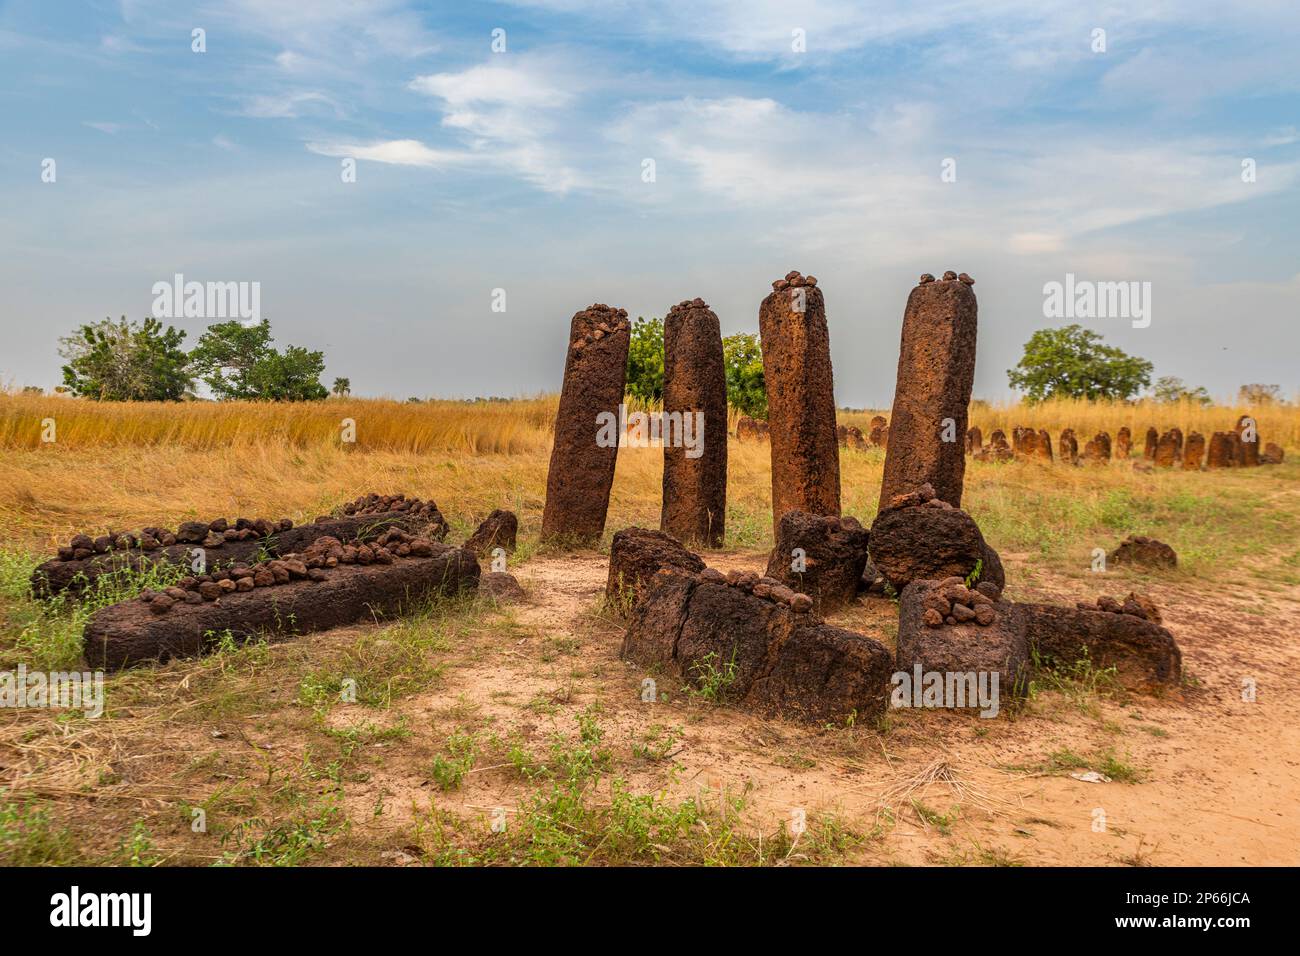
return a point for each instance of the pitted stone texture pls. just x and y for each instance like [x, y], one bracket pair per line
[800, 400]
[924, 538]
[936, 371]
[1152, 443]
[695, 380]
[1143, 653]
[132, 633]
[832, 550]
[1194, 452]
[778, 662]
[498, 530]
[1138, 549]
[636, 555]
[1169, 449]
[1123, 443]
[1247, 442]
[581, 472]
[958, 648]
[1069, 447]
[1223, 450]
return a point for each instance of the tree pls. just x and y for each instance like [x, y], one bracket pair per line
[1072, 362]
[125, 362]
[742, 356]
[342, 386]
[645, 360]
[1169, 389]
[1259, 394]
[237, 361]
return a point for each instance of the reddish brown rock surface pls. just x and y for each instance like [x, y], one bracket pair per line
[1138, 549]
[498, 530]
[1223, 450]
[831, 551]
[1194, 452]
[636, 555]
[1169, 449]
[581, 471]
[695, 488]
[776, 661]
[1143, 653]
[936, 371]
[923, 538]
[1123, 443]
[1247, 432]
[800, 399]
[133, 632]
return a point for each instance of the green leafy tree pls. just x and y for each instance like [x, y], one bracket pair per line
[645, 360]
[237, 361]
[342, 386]
[1168, 388]
[125, 362]
[1072, 362]
[742, 355]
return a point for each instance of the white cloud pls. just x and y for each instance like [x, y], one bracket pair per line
[289, 105]
[396, 152]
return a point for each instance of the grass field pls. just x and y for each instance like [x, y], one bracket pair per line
[463, 703]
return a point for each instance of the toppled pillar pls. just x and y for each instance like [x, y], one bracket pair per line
[936, 371]
[695, 394]
[329, 585]
[587, 437]
[800, 399]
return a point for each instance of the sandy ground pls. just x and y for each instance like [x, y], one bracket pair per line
[1219, 776]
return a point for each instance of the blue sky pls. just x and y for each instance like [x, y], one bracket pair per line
[522, 170]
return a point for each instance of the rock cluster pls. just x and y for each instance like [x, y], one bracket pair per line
[423, 512]
[950, 601]
[1134, 605]
[214, 534]
[324, 554]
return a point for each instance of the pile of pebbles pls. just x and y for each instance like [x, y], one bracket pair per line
[313, 564]
[951, 602]
[949, 276]
[1135, 605]
[210, 535]
[373, 504]
[760, 586]
[793, 280]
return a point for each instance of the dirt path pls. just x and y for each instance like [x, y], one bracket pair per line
[1219, 778]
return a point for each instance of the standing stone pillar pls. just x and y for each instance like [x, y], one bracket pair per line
[1222, 450]
[800, 399]
[1123, 443]
[1152, 440]
[1193, 452]
[695, 392]
[586, 443]
[936, 371]
[1069, 446]
[1248, 435]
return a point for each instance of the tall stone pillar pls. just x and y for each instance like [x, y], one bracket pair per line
[800, 399]
[695, 403]
[586, 444]
[936, 372]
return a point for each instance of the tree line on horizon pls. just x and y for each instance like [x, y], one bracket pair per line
[128, 361]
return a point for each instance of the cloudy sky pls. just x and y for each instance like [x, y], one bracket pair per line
[783, 135]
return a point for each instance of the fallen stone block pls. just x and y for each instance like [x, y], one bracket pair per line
[1138, 549]
[1143, 652]
[919, 537]
[990, 640]
[742, 642]
[498, 530]
[636, 555]
[821, 556]
[501, 587]
[181, 623]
